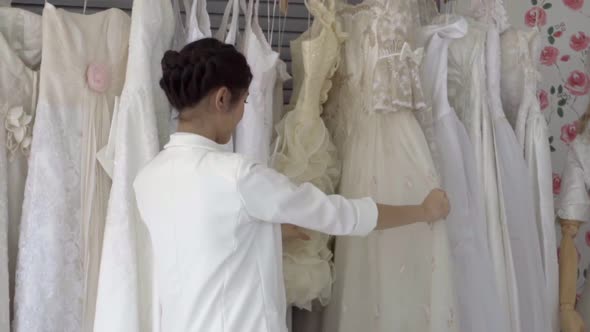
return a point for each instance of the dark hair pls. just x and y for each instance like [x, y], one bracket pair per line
[201, 66]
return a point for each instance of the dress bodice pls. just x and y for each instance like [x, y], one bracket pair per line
[466, 73]
[381, 65]
[20, 53]
[519, 75]
[316, 56]
[22, 31]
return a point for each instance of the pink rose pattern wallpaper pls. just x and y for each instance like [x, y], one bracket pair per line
[563, 93]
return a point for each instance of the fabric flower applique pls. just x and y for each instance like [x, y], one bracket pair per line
[535, 16]
[569, 132]
[98, 77]
[17, 124]
[578, 83]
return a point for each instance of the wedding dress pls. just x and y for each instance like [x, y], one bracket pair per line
[398, 279]
[139, 129]
[20, 49]
[517, 202]
[59, 245]
[519, 89]
[468, 96]
[306, 153]
[477, 297]
[253, 134]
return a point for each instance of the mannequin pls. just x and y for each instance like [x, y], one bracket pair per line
[574, 208]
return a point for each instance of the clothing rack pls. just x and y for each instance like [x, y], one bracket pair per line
[297, 19]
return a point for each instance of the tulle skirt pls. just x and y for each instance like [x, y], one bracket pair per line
[398, 279]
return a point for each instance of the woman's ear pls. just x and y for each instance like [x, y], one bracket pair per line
[222, 99]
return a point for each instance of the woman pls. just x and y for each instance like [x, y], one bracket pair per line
[214, 216]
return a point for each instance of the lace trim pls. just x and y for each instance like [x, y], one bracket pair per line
[396, 81]
[18, 126]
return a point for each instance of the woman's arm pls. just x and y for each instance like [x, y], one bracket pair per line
[434, 207]
[270, 196]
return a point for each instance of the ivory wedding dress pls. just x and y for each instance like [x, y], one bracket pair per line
[398, 279]
[519, 89]
[139, 129]
[20, 55]
[478, 299]
[516, 202]
[84, 57]
[306, 153]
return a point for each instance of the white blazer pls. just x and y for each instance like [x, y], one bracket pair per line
[213, 218]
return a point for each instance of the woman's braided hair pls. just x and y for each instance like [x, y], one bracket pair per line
[201, 66]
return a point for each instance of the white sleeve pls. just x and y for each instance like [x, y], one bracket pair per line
[574, 200]
[270, 196]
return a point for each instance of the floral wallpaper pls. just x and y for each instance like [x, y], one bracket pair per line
[564, 92]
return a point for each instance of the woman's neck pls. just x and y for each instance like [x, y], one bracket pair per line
[190, 127]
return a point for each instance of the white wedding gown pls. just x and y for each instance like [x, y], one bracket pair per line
[139, 128]
[398, 279]
[20, 55]
[84, 57]
[478, 300]
[468, 96]
[254, 132]
[517, 203]
[519, 89]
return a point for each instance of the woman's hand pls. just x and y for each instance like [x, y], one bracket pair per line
[436, 206]
[292, 232]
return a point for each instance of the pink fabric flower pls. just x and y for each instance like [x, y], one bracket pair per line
[574, 4]
[556, 185]
[543, 98]
[569, 132]
[557, 34]
[535, 16]
[578, 83]
[549, 55]
[565, 58]
[98, 77]
[579, 41]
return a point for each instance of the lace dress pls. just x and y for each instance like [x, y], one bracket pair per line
[519, 89]
[84, 57]
[478, 300]
[20, 54]
[399, 279]
[306, 153]
[139, 128]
